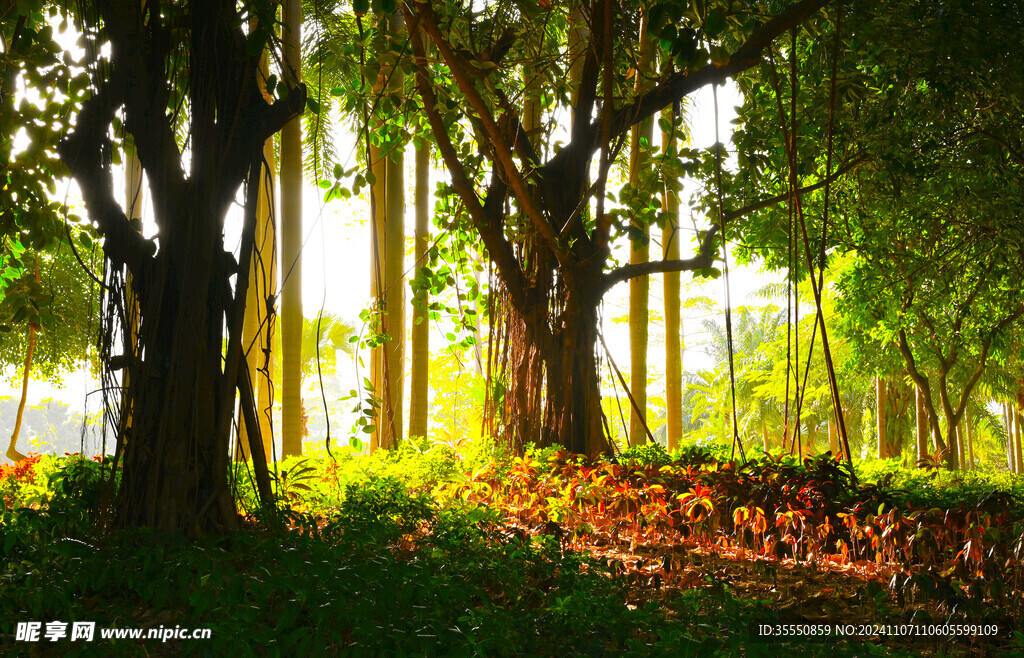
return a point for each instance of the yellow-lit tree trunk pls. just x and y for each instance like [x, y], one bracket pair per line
[260, 317]
[12, 448]
[833, 438]
[670, 238]
[419, 341]
[970, 442]
[922, 425]
[881, 417]
[291, 244]
[639, 252]
[1018, 436]
[133, 210]
[1008, 424]
[387, 285]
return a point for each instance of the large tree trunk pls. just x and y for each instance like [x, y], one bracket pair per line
[174, 453]
[291, 245]
[572, 410]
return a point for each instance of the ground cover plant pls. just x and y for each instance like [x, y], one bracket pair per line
[413, 553]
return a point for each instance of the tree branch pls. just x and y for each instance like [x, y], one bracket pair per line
[83, 151]
[680, 84]
[850, 165]
[1015, 155]
[704, 259]
[502, 152]
[490, 230]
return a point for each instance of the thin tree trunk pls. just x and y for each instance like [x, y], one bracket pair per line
[419, 338]
[833, 438]
[1018, 440]
[639, 252]
[922, 425]
[387, 278]
[883, 446]
[12, 448]
[133, 210]
[970, 441]
[960, 447]
[291, 245]
[1008, 425]
[670, 239]
[260, 317]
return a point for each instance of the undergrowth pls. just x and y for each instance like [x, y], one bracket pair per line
[426, 552]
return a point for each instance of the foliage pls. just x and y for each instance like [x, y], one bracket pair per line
[63, 304]
[392, 573]
[544, 555]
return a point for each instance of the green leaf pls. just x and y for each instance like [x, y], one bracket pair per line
[715, 24]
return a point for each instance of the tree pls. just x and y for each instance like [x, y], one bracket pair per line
[909, 155]
[49, 311]
[670, 239]
[640, 238]
[549, 245]
[164, 59]
[44, 322]
[419, 334]
[260, 324]
[291, 242]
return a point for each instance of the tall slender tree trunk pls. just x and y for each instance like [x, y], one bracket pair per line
[883, 446]
[291, 244]
[12, 447]
[960, 446]
[1018, 449]
[922, 425]
[133, 211]
[387, 278]
[1008, 424]
[419, 334]
[670, 239]
[833, 438]
[969, 428]
[260, 316]
[639, 252]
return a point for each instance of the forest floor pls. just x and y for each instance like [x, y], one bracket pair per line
[418, 553]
